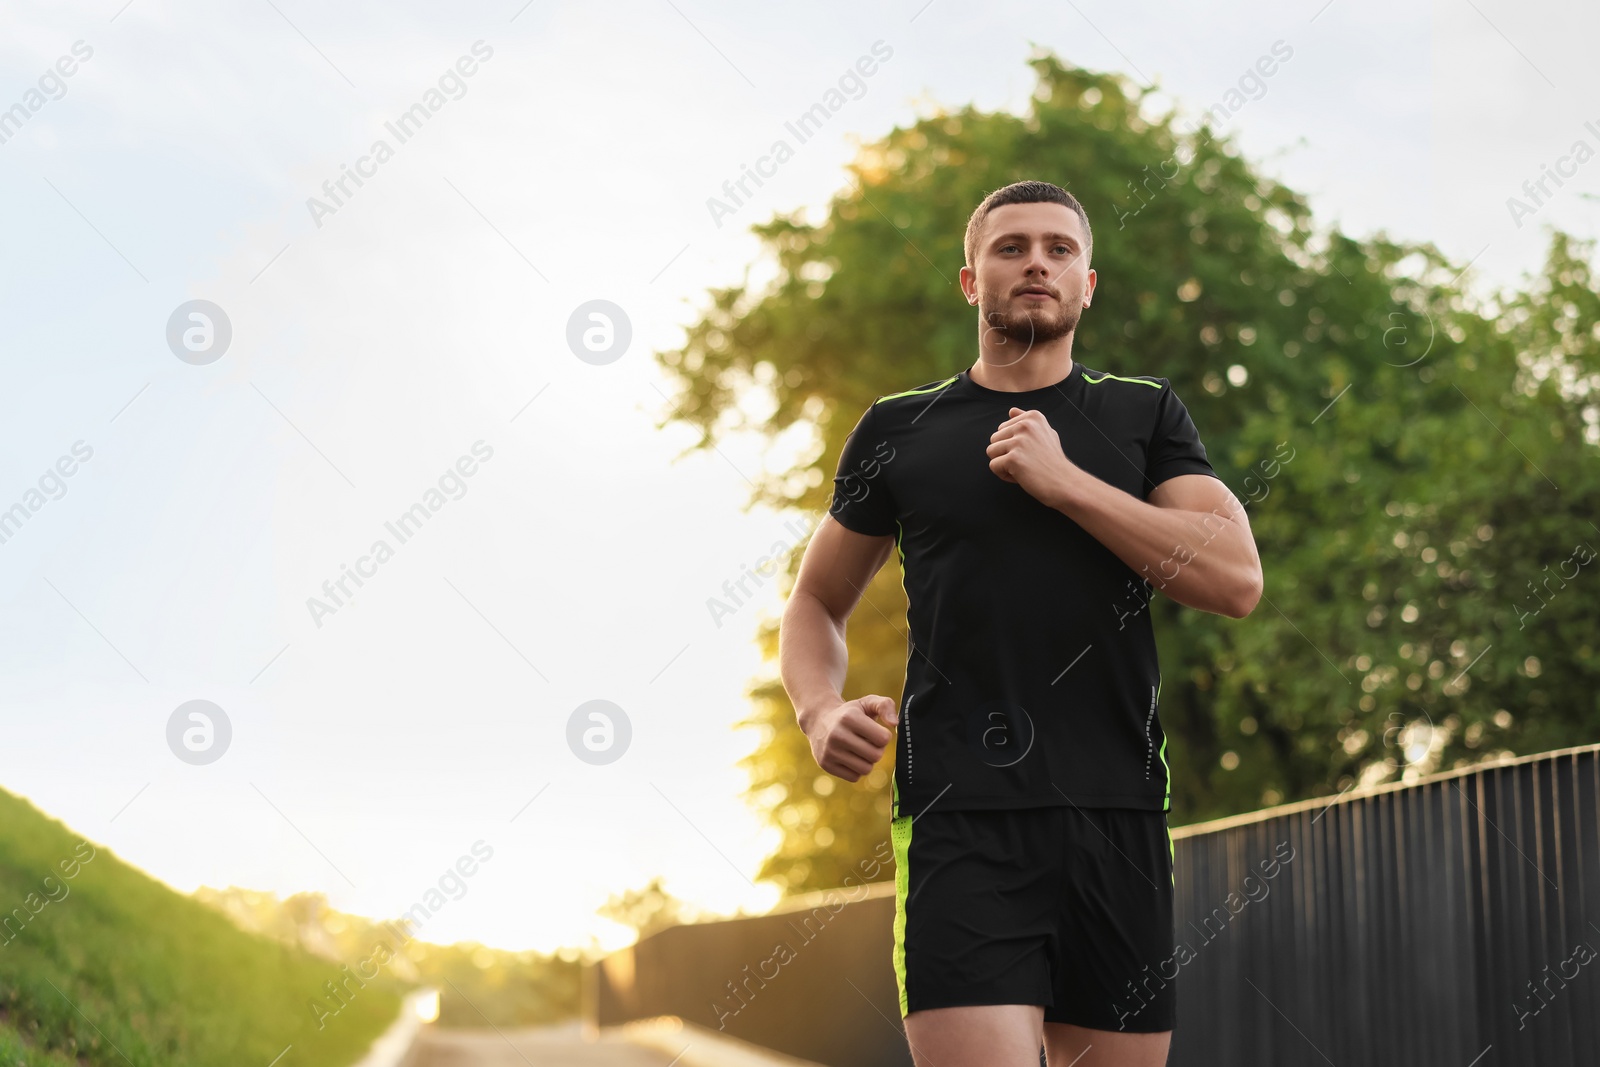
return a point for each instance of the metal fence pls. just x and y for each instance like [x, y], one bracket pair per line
[1450, 922]
[811, 979]
[1453, 922]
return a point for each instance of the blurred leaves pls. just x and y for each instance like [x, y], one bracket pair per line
[478, 985]
[647, 909]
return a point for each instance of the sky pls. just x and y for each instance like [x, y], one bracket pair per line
[420, 343]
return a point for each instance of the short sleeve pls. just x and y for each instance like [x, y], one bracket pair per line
[1175, 446]
[861, 500]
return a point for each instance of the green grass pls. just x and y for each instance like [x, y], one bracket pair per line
[109, 966]
[16, 1052]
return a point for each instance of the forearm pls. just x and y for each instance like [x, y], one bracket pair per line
[1202, 559]
[812, 657]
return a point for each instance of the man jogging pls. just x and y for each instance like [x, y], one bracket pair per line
[1035, 504]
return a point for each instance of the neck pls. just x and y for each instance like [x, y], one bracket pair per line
[999, 368]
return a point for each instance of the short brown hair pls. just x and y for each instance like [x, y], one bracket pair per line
[1028, 192]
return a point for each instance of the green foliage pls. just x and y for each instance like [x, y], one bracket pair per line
[109, 966]
[647, 909]
[478, 985]
[1411, 457]
[481, 986]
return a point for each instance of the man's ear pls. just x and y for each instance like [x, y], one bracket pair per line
[969, 278]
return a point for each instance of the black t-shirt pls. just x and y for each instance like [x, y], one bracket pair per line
[1031, 675]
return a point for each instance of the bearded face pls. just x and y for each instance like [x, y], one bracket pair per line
[1031, 313]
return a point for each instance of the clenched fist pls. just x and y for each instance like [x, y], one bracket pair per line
[848, 741]
[1026, 450]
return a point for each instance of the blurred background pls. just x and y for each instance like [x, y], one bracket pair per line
[413, 419]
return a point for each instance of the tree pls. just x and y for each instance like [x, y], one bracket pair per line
[1348, 391]
[647, 909]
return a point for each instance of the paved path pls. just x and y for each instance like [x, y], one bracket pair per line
[545, 1046]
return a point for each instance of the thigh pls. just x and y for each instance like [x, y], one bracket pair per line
[975, 910]
[1066, 1045]
[1118, 966]
[985, 1035]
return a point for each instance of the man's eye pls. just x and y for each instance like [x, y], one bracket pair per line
[1063, 248]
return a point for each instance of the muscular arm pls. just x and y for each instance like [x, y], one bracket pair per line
[811, 656]
[812, 659]
[1191, 540]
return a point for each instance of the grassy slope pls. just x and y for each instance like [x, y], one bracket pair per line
[153, 977]
[17, 1052]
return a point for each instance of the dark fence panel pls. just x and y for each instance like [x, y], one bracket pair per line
[813, 980]
[1453, 922]
[1450, 922]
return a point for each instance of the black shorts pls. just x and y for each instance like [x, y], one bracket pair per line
[1066, 907]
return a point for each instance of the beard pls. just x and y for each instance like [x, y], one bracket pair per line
[1026, 323]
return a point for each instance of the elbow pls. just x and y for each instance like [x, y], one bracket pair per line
[1246, 596]
[804, 607]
